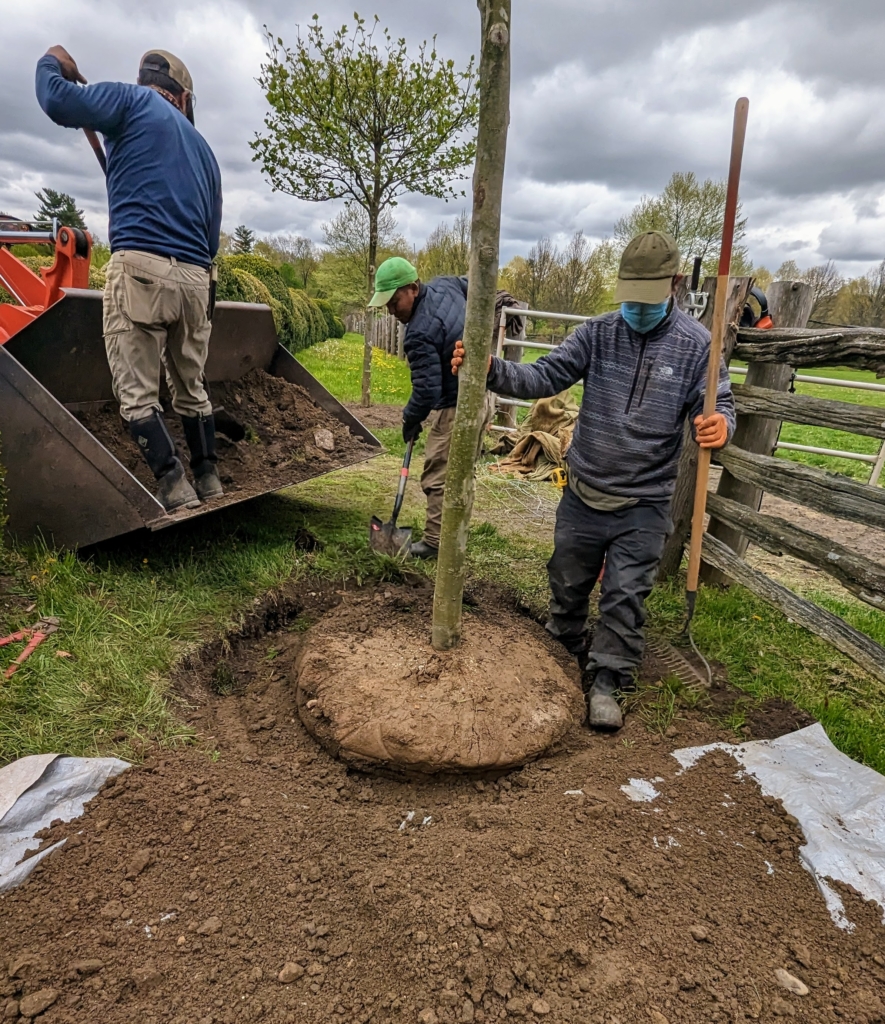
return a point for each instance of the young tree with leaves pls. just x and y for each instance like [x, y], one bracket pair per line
[344, 263]
[692, 212]
[61, 206]
[360, 118]
[488, 187]
[447, 249]
[243, 241]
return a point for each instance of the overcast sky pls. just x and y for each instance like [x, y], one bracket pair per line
[609, 99]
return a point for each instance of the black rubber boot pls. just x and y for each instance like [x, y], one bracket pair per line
[200, 434]
[153, 439]
[421, 549]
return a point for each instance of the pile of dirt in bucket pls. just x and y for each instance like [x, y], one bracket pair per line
[372, 689]
[257, 878]
[289, 437]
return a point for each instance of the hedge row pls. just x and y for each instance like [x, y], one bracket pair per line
[300, 320]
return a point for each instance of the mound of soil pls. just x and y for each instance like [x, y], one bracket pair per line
[259, 879]
[281, 448]
[374, 692]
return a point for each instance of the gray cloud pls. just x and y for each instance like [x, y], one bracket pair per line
[608, 100]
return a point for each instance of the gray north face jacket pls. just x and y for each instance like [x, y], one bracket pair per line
[638, 391]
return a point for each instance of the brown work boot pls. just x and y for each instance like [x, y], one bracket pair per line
[603, 710]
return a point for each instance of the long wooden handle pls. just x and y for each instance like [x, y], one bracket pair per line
[95, 142]
[738, 135]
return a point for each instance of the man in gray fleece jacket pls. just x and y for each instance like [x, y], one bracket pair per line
[643, 368]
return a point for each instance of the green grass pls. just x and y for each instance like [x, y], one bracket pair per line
[821, 437]
[767, 656]
[338, 363]
[133, 609]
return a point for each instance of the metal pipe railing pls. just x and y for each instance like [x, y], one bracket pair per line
[876, 461]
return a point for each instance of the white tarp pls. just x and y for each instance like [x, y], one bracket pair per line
[37, 790]
[839, 803]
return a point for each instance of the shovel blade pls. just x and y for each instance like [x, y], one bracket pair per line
[387, 539]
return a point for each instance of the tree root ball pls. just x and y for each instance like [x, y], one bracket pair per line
[378, 696]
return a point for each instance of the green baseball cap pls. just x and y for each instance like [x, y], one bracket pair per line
[647, 268]
[392, 274]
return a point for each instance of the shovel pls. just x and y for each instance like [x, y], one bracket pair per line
[388, 538]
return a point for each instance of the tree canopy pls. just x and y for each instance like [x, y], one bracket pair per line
[691, 211]
[59, 206]
[447, 249]
[344, 266]
[360, 118]
[576, 279]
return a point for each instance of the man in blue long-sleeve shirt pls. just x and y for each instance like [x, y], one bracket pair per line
[164, 197]
[644, 370]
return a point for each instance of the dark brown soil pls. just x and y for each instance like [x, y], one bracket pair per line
[374, 692]
[197, 881]
[280, 449]
[378, 415]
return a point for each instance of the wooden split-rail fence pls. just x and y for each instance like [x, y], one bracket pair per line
[749, 469]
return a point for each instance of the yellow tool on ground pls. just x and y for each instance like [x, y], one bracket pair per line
[559, 478]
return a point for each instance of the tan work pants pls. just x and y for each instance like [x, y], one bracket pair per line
[436, 460]
[155, 314]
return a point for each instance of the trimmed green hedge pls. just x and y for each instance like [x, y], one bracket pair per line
[334, 323]
[299, 320]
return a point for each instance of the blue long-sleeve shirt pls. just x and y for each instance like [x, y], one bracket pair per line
[639, 389]
[164, 185]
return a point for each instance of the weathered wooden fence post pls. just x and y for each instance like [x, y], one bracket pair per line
[683, 496]
[790, 303]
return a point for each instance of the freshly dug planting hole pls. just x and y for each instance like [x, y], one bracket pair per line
[376, 694]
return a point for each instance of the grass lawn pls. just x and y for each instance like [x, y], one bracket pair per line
[821, 437]
[132, 609]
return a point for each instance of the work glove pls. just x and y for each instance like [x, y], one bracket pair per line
[712, 431]
[411, 430]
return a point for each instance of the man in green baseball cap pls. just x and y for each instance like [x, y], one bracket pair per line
[433, 313]
[392, 275]
[643, 368]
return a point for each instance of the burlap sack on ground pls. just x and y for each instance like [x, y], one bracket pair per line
[539, 445]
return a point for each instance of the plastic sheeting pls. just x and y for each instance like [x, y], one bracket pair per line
[839, 803]
[37, 790]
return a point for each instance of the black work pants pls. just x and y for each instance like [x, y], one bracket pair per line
[630, 542]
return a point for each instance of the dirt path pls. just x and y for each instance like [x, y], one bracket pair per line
[197, 882]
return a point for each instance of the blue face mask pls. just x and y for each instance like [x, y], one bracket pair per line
[644, 316]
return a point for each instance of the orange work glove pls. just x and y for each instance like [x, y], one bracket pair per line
[712, 431]
[458, 358]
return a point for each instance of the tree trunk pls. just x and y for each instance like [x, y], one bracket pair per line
[488, 187]
[366, 399]
[790, 303]
[683, 496]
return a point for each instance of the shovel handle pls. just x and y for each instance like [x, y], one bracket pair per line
[403, 479]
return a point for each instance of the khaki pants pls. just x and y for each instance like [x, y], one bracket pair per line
[155, 314]
[436, 460]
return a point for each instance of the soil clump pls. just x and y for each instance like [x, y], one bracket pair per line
[254, 877]
[284, 444]
[373, 691]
